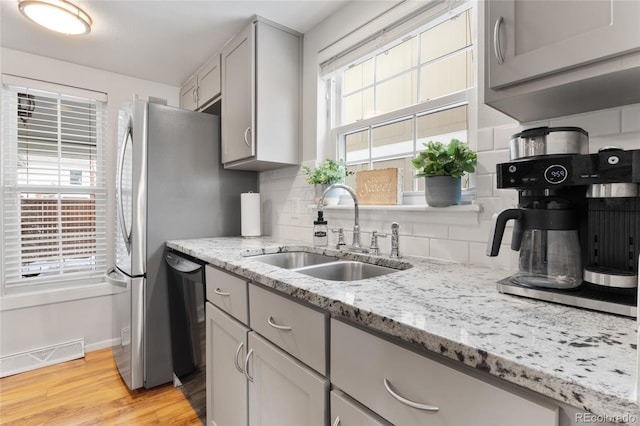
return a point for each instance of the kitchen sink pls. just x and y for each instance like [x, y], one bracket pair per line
[345, 270]
[294, 259]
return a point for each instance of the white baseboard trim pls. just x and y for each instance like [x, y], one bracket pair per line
[102, 345]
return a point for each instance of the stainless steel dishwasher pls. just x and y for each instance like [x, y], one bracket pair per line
[186, 287]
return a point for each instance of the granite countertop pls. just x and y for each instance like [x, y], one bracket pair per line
[585, 359]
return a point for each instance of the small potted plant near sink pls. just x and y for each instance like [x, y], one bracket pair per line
[324, 174]
[442, 166]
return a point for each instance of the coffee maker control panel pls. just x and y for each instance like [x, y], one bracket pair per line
[607, 166]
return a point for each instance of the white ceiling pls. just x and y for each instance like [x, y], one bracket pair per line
[158, 40]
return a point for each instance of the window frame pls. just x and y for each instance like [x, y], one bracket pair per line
[465, 97]
[14, 279]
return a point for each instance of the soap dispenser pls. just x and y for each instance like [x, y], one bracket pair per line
[320, 230]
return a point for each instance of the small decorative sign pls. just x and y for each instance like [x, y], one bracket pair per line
[379, 187]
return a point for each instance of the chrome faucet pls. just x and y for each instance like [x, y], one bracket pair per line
[356, 219]
[395, 237]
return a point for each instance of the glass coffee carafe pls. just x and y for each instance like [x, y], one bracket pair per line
[548, 242]
[549, 258]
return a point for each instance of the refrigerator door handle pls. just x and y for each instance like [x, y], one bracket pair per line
[126, 234]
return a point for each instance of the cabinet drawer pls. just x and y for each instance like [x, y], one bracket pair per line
[227, 292]
[347, 412]
[373, 370]
[297, 329]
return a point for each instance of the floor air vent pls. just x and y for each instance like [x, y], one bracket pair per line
[41, 357]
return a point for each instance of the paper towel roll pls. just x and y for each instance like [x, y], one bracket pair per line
[250, 214]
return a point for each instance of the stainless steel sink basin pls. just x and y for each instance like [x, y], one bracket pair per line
[345, 270]
[294, 259]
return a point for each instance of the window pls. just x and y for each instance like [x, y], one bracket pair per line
[413, 90]
[54, 188]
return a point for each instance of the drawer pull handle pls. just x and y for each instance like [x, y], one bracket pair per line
[235, 359]
[279, 327]
[406, 401]
[246, 366]
[221, 293]
[336, 422]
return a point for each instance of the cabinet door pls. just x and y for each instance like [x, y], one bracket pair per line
[347, 412]
[238, 81]
[226, 383]
[209, 81]
[189, 94]
[528, 39]
[283, 391]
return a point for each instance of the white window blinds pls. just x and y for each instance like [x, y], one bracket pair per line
[54, 188]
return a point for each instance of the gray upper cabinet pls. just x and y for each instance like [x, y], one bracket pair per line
[189, 94]
[261, 91]
[545, 59]
[203, 87]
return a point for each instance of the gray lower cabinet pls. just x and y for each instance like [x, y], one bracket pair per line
[267, 362]
[406, 388]
[283, 391]
[345, 411]
[226, 382]
[251, 380]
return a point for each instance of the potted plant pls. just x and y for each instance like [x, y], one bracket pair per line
[442, 166]
[324, 174]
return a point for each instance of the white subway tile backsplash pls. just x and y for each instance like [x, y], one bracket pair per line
[439, 233]
[599, 123]
[478, 233]
[449, 250]
[484, 186]
[478, 256]
[485, 140]
[430, 230]
[487, 161]
[502, 135]
[631, 119]
[410, 246]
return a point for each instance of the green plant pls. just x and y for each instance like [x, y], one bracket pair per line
[327, 172]
[438, 159]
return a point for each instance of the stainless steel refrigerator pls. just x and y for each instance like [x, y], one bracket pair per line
[169, 185]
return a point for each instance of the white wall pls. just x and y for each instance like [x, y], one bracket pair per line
[287, 197]
[31, 321]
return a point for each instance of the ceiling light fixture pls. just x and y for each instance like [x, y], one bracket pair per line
[57, 15]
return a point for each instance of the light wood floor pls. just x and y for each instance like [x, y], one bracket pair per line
[88, 391]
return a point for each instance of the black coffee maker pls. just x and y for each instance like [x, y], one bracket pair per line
[577, 224]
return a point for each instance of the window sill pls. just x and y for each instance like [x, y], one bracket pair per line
[465, 214]
[61, 295]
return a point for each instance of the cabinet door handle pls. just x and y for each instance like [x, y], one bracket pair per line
[246, 136]
[497, 45]
[246, 366]
[278, 326]
[408, 402]
[235, 358]
[194, 95]
[221, 293]
[336, 422]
